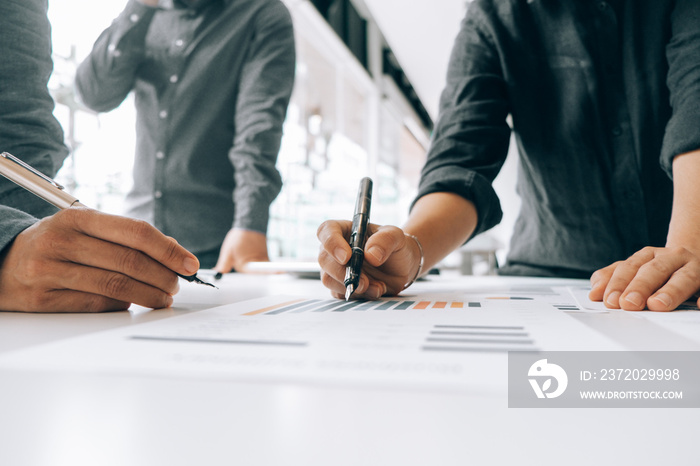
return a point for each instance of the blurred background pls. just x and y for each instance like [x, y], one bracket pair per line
[368, 80]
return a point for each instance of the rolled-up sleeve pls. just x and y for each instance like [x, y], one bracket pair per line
[683, 52]
[267, 79]
[471, 138]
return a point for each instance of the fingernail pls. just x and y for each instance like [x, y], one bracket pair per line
[664, 298]
[634, 298]
[613, 299]
[340, 256]
[191, 265]
[377, 253]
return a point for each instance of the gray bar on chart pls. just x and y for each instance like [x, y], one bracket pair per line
[472, 333]
[311, 304]
[474, 304]
[333, 304]
[291, 307]
[481, 340]
[494, 327]
[347, 306]
[404, 305]
[365, 305]
[473, 349]
[385, 305]
[227, 341]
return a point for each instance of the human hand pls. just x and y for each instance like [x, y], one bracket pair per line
[239, 248]
[391, 259]
[81, 260]
[659, 279]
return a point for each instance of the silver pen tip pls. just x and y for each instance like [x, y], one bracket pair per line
[348, 292]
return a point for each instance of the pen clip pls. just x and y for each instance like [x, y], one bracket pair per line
[14, 159]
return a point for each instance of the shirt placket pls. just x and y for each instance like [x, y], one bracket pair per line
[171, 71]
[628, 197]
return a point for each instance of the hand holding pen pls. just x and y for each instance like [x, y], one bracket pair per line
[392, 260]
[82, 260]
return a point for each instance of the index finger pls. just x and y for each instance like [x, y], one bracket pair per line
[333, 235]
[135, 234]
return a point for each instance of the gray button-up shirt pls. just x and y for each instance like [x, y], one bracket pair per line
[28, 128]
[211, 89]
[603, 95]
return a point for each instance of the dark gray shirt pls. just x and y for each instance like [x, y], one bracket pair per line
[211, 91]
[28, 128]
[602, 96]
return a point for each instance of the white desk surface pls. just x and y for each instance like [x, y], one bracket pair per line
[83, 419]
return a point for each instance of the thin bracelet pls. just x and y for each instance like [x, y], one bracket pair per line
[420, 265]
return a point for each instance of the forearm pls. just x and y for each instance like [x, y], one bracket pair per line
[265, 87]
[684, 229]
[442, 222]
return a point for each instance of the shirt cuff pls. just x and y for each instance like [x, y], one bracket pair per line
[471, 186]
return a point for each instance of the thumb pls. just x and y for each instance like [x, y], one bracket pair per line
[383, 243]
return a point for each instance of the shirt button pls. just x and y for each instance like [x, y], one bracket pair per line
[179, 43]
[617, 131]
[163, 114]
[173, 78]
[112, 49]
[160, 155]
[134, 18]
[157, 194]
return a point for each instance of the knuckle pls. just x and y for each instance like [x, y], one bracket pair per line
[172, 251]
[131, 261]
[139, 229]
[657, 267]
[324, 258]
[596, 276]
[679, 251]
[114, 285]
[31, 269]
[69, 217]
[95, 303]
[693, 274]
[646, 251]
[39, 301]
[321, 229]
[326, 280]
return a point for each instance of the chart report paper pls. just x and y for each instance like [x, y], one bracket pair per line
[454, 341]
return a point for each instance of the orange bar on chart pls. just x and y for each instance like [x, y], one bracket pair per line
[422, 305]
[439, 305]
[457, 305]
[276, 306]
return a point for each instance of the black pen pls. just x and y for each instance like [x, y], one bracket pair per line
[358, 236]
[49, 190]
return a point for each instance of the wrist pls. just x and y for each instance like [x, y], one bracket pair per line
[421, 259]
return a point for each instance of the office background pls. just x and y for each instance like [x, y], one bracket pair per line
[369, 76]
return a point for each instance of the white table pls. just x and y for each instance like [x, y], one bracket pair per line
[82, 419]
